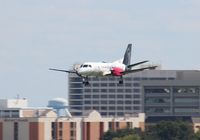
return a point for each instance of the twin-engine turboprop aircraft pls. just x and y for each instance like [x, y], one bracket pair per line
[117, 68]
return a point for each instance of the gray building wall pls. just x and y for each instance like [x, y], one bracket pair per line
[180, 97]
[155, 92]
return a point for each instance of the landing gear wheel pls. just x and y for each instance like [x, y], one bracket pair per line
[121, 81]
[85, 81]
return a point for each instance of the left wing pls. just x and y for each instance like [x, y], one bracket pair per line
[136, 70]
[67, 71]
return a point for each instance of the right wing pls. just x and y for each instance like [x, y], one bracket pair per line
[136, 70]
[68, 71]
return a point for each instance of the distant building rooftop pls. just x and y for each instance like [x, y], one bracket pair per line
[13, 103]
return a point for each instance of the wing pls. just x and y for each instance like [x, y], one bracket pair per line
[136, 70]
[67, 71]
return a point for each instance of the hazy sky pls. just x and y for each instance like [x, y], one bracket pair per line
[38, 34]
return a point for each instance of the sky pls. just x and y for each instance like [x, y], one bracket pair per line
[36, 35]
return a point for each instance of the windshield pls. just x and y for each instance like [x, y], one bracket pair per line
[85, 66]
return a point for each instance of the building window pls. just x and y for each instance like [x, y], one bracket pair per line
[95, 96]
[60, 133]
[104, 102]
[128, 78]
[136, 79]
[111, 96]
[112, 84]
[72, 125]
[95, 102]
[128, 90]
[95, 90]
[110, 125]
[128, 102]
[95, 107]
[95, 85]
[87, 90]
[120, 108]
[72, 133]
[112, 90]
[117, 124]
[120, 90]
[104, 108]
[128, 84]
[87, 107]
[103, 90]
[129, 124]
[88, 96]
[87, 102]
[136, 90]
[136, 96]
[127, 107]
[120, 102]
[104, 84]
[111, 108]
[136, 108]
[103, 96]
[157, 90]
[112, 102]
[128, 96]
[76, 85]
[136, 84]
[60, 125]
[136, 102]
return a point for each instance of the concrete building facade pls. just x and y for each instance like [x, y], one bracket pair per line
[154, 92]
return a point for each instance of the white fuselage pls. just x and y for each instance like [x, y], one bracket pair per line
[98, 68]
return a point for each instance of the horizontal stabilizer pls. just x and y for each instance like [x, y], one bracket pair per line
[63, 70]
[132, 65]
[137, 70]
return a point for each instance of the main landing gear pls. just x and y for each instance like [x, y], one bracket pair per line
[85, 81]
[121, 81]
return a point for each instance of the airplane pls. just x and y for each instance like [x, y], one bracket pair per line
[117, 68]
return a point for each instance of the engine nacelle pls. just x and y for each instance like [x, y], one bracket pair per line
[117, 71]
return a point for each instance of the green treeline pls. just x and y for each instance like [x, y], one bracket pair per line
[165, 130]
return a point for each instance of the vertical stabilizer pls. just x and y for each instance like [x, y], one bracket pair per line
[127, 55]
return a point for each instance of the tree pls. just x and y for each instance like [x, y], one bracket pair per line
[128, 137]
[170, 130]
[196, 136]
[121, 133]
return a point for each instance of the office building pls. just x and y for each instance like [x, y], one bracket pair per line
[154, 92]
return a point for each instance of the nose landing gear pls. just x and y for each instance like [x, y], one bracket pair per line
[85, 81]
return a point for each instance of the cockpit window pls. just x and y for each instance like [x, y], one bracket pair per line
[86, 66]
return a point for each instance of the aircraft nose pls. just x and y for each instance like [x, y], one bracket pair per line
[81, 71]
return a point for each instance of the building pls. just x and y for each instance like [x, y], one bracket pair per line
[154, 92]
[26, 123]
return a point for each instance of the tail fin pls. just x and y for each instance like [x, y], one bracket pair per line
[127, 55]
